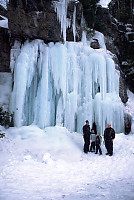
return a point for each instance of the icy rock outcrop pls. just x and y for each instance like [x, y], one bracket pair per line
[64, 84]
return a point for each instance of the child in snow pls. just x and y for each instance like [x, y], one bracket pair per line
[98, 143]
[92, 140]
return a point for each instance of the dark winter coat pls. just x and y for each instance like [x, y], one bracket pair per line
[109, 134]
[98, 140]
[86, 132]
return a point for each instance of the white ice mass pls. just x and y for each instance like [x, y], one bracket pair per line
[104, 3]
[65, 84]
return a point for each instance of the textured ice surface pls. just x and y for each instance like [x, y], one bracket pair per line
[65, 84]
[61, 7]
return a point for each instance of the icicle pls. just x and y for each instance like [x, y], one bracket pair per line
[84, 37]
[74, 24]
[61, 9]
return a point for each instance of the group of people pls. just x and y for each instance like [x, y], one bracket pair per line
[93, 139]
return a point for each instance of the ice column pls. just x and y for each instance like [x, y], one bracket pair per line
[74, 23]
[61, 7]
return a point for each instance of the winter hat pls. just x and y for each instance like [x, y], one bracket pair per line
[87, 121]
[98, 133]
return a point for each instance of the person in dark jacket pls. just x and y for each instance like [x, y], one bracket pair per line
[98, 143]
[127, 129]
[86, 136]
[92, 140]
[94, 127]
[109, 135]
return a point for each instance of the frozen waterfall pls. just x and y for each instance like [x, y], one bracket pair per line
[65, 84]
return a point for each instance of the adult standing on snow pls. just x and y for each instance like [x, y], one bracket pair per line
[86, 136]
[109, 135]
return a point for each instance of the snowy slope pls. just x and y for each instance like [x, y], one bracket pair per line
[49, 164]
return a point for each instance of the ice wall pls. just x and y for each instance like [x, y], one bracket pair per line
[65, 84]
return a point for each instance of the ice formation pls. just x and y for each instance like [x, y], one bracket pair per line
[65, 84]
[61, 7]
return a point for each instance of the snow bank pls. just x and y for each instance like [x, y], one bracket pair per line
[57, 141]
[49, 164]
[104, 3]
[5, 89]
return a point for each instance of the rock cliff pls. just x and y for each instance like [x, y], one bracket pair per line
[117, 25]
[32, 19]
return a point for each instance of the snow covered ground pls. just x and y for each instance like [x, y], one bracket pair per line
[49, 164]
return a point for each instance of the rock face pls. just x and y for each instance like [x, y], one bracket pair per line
[3, 11]
[32, 19]
[37, 19]
[4, 50]
[4, 44]
[117, 24]
[123, 12]
[95, 44]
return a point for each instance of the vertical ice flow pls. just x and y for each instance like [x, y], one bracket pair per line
[65, 84]
[74, 23]
[61, 7]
